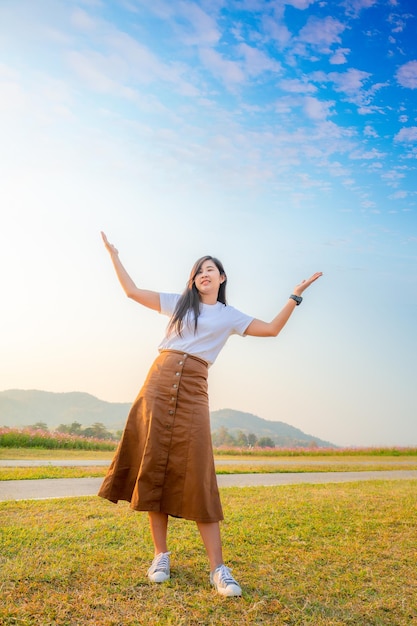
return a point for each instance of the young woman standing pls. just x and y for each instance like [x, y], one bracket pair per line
[164, 462]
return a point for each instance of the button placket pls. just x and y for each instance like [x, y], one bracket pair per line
[173, 402]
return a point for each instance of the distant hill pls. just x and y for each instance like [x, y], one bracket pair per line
[282, 434]
[19, 408]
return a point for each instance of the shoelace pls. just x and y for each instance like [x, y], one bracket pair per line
[225, 576]
[160, 563]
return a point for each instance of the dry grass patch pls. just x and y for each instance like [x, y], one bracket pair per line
[304, 554]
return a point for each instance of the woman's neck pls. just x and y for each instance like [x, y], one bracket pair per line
[208, 299]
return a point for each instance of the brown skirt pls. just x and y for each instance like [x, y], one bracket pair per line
[164, 461]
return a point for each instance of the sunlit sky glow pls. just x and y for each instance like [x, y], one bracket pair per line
[279, 136]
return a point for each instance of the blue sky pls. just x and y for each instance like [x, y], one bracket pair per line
[279, 136]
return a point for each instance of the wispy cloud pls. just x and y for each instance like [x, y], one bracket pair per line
[354, 7]
[202, 28]
[256, 62]
[295, 85]
[366, 155]
[229, 72]
[321, 33]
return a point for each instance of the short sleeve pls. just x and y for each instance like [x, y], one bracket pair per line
[168, 302]
[241, 322]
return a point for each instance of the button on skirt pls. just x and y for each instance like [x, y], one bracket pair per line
[164, 461]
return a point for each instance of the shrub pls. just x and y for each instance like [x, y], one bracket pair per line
[30, 438]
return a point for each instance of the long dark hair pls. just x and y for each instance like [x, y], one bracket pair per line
[190, 298]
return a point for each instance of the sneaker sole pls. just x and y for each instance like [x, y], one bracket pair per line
[158, 577]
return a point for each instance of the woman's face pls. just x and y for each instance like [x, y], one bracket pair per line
[208, 279]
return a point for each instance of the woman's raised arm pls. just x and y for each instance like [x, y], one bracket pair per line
[258, 328]
[148, 298]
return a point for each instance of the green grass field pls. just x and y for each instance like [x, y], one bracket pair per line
[337, 554]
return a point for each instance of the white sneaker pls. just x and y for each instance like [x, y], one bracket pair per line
[159, 571]
[224, 582]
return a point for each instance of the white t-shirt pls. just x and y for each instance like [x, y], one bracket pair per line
[216, 323]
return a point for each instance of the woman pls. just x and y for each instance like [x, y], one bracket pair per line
[164, 463]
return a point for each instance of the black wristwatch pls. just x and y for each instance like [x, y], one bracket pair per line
[298, 299]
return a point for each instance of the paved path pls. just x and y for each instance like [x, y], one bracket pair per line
[69, 487]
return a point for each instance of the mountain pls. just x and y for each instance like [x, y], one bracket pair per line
[282, 434]
[20, 408]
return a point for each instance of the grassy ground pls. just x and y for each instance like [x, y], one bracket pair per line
[282, 454]
[242, 464]
[338, 554]
[303, 465]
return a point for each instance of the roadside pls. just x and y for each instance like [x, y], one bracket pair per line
[76, 487]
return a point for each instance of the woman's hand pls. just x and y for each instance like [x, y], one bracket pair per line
[298, 290]
[109, 246]
[142, 296]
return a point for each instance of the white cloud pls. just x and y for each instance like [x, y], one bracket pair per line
[407, 135]
[321, 33]
[398, 195]
[392, 178]
[7, 72]
[369, 204]
[12, 97]
[399, 22]
[317, 109]
[256, 61]
[337, 243]
[392, 175]
[204, 30]
[229, 72]
[339, 57]
[81, 20]
[285, 104]
[92, 3]
[368, 131]
[297, 86]
[276, 31]
[126, 64]
[366, 155]
[407, 75]
[354, 7]
[161, 8]
[94, 70]
[350, 82]
[138, 61]
[337, 169]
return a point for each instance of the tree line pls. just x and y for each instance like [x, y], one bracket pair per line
[96, 430]
[220, 437]
[223, 437]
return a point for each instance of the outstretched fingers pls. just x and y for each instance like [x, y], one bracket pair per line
[108, 245]
[306, 283]
[314, 277]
